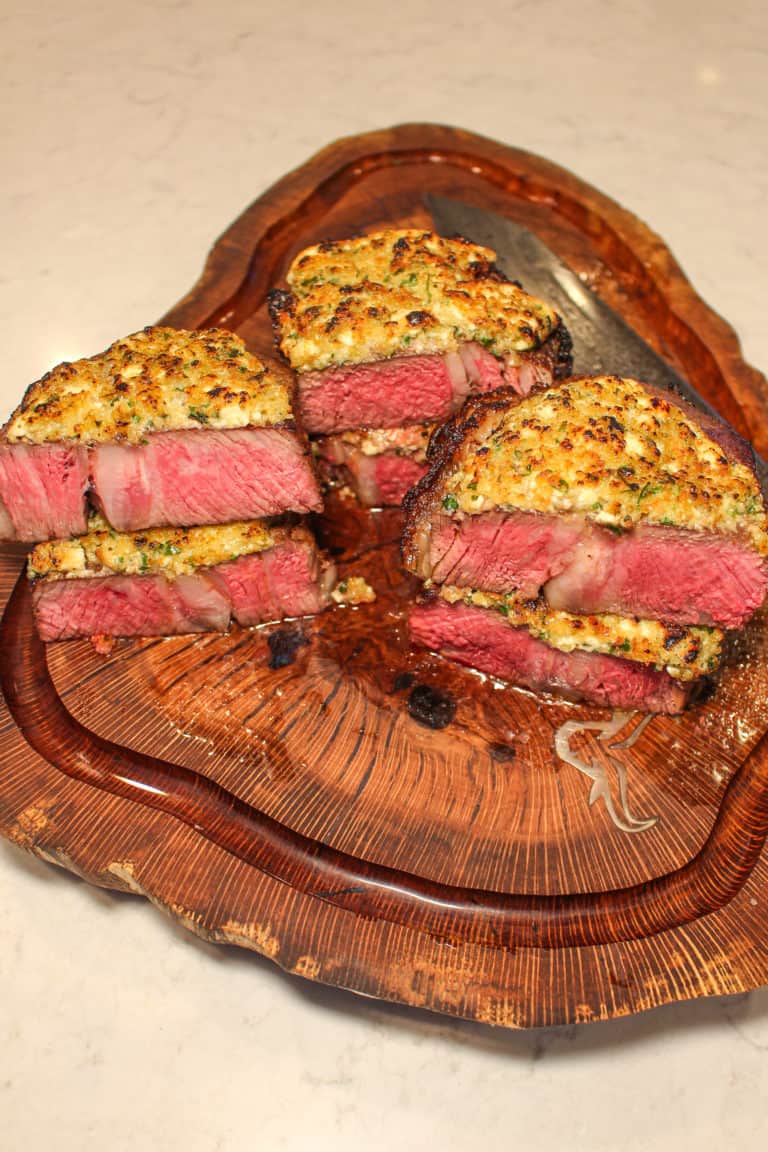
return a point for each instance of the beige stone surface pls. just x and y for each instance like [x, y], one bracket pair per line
[132, 134]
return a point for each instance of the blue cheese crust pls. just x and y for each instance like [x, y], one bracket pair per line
[606, 448]
[157, 380]
[401, 292]
[169, 551]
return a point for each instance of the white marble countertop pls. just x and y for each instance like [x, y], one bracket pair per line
[132, 135]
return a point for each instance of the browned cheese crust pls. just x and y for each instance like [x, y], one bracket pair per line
[170, 551]
[406, 292]
[156, 380]
[616, 451]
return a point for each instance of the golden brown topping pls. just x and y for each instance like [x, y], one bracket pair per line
[403, 292]
[160, 379]
[172, 551]
[609, 449]
[684, 652]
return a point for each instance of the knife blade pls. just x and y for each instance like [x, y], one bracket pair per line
[603, 342]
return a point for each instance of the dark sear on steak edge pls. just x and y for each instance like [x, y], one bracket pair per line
[606, 494]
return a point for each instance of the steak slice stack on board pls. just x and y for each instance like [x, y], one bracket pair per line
[164, 479]
[391, 332]
[166, 581]
[601, 534]
[165, 427]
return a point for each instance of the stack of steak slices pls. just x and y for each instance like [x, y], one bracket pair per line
[165, 581]
[161, 472]
[596, 539]
[389, 334]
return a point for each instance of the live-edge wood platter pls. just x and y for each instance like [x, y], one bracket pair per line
[291, 797]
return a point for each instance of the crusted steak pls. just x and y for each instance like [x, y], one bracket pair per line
[399, 327]
[606, 495]
[167, 581]
[481, 638]
[684, 653]
[165, 427]
[380, 464]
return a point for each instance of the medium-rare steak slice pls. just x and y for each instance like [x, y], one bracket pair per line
[195, 477]
[655, 572]
[165, 427]
[684, 653]
[607, 495]
[42, 490]
[168, 581]
[399, 327]
[379, 464]
[481, 638]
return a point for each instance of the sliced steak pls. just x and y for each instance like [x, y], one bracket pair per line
[481, 639]
[42, 491]
[383, 481]
[377, 481]
[417, 389]
[499, 553]
[129, 606]
[166, 587]
[386, 393]
[662, 574]
[285, 581]
[379, 464]
[657, 573]
[203, 477]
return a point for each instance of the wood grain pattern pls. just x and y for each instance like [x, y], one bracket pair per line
[305, 812]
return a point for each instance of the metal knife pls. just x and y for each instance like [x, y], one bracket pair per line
[602, 341]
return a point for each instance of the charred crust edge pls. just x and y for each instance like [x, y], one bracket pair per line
[419, 503]
[280, 301]
[281, 304]
[562, 348]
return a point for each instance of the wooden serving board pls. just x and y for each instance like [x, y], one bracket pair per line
[368, 816]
